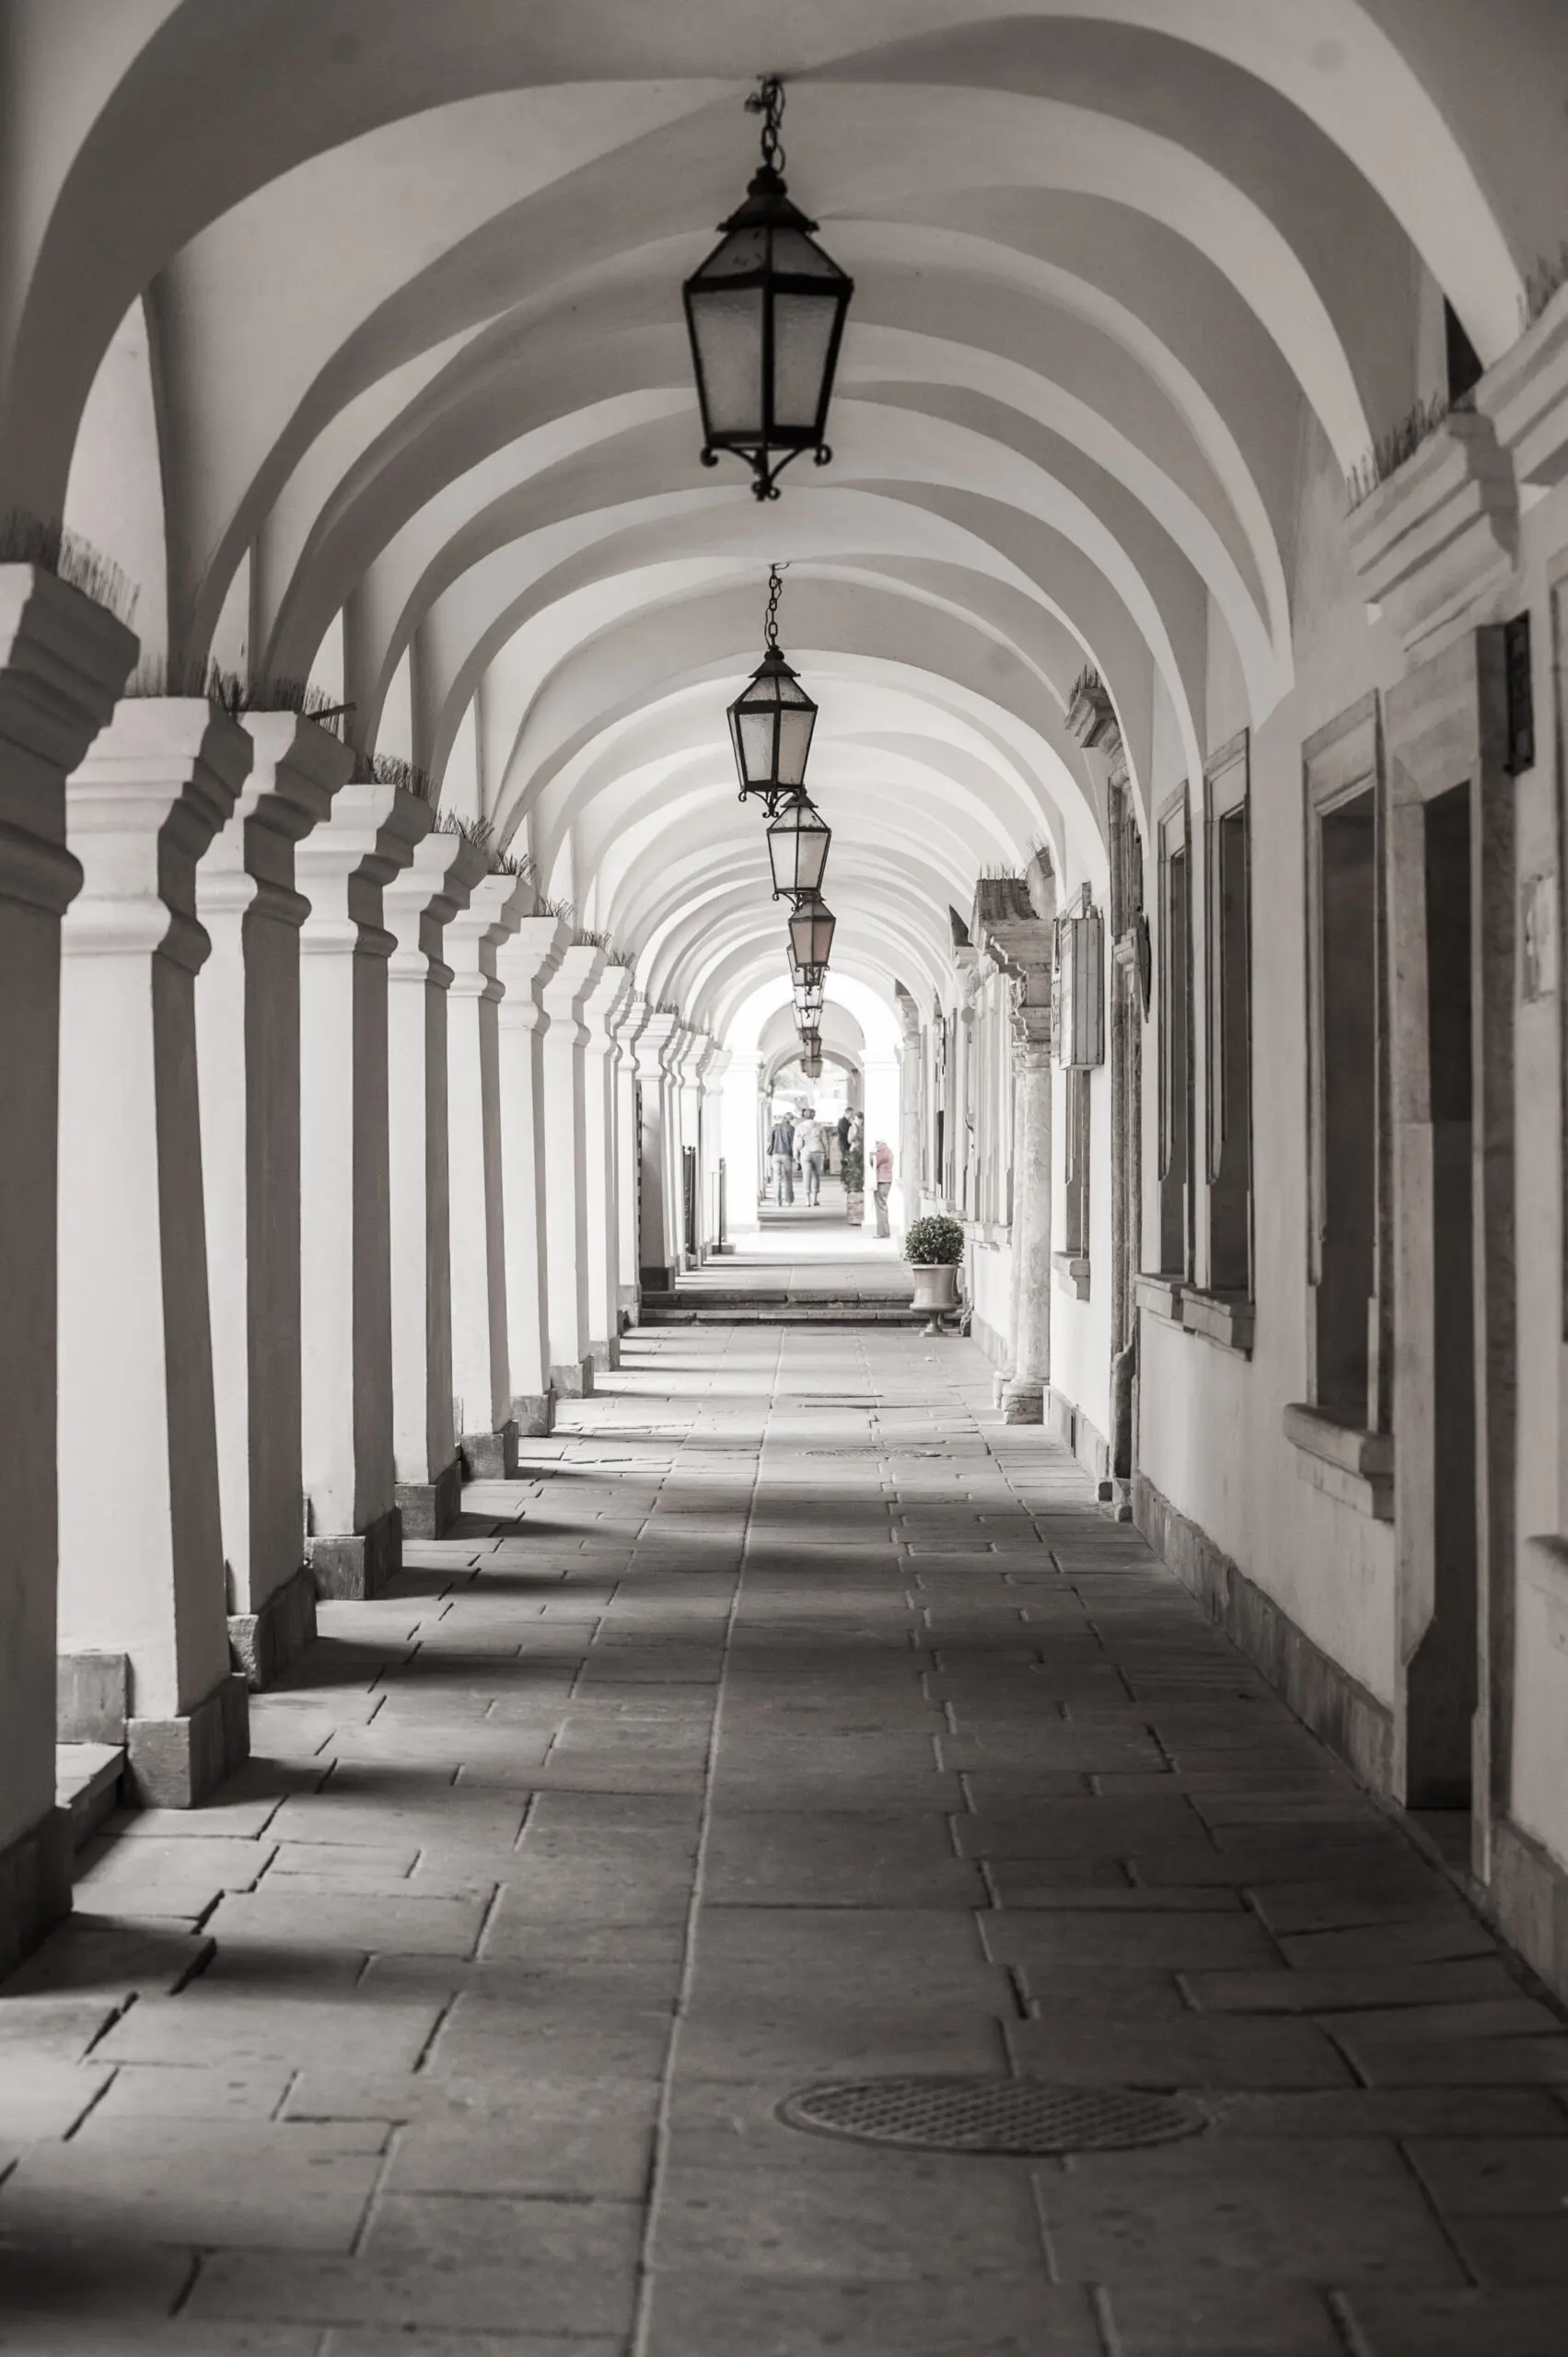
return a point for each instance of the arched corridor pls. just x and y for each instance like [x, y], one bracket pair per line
[529, 1634]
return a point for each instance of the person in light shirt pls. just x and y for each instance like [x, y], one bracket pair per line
[813, 1144]
[781, 1153]
[882, 1177]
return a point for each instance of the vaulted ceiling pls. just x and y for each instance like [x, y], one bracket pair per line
[358, 321]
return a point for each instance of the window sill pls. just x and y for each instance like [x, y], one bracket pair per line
[1071, 1273]
[1227, 1319]
[1343, 1460]
[1161, 1296]
[1224, 1318]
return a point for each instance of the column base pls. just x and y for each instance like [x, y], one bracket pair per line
[92, 1697]
[605, 1355]
[175, 1763]
[533, 1412]
[262, 1643]
[348, 1566]
[1023, 1400]
[573, 1381]
[628, 1306]
[35, 1886]
[490, 1457]
[430, 1509]
[1116, 1499]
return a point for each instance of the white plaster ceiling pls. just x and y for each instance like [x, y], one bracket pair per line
[405, 280]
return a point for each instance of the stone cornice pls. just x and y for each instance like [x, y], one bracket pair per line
[1091, 716]
[1524, 395]
[1435, 545]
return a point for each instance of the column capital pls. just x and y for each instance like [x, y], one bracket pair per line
[653, 1042]
[602, 1008]
[567, 989]
[63, 661]
[297, 766]
[495, 908]
[421, 899]
[154, 789]
[526, 963]
[344, 866]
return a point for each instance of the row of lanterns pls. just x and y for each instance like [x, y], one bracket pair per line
[766, 314]
[770, 723]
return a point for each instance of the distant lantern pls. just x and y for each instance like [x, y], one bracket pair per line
[812, 1065]
[766, 315]
[807, 1002]
[771, 720]
[797, 849]
[810, 1043]
[812, 936]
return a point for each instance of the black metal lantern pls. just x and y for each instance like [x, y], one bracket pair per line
[771, 719]
[797, 849]
[811, 1041]
[765, 314]
[812, 936]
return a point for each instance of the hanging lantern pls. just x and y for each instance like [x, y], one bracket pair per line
[765, 314]
[807, 1002]
[812, 936]
[770, 721]
[810, 1042]
[797, 849]
[812, 1067]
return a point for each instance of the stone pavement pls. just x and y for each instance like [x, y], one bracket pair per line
[792, 1717]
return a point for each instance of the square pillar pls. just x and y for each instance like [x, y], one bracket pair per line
[417, 905]
[247, 1067]
[487, 1430]
[655, 1268]
[63, 661]
[141, 1539]
[601, 1011]
[628, 1153]
[526, 965]
[565, 1191]
[354, 1540]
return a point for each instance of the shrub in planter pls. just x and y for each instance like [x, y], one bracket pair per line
[934, 1246]
[855, 1169]
[934, 1242]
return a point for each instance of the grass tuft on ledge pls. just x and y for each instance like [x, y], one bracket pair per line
[1388, 453]
[26, 539]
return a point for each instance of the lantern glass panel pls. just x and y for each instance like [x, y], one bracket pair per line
[805, 329]
[797, 849]
[727, 336]
[811, 932]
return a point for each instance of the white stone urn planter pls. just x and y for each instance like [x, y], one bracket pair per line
[935, 1285]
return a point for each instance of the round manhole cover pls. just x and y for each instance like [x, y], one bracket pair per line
[991, 2115]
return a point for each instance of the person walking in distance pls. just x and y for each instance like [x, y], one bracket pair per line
[780, 1149]
[843, 1130]
[882, 1176]
[813, 1154]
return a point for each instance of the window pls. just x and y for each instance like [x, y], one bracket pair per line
[1345, 1066]
[1229, 1032]
[1176, 1047]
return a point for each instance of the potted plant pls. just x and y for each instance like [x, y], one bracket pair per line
[933, 1248]
[855, 1182]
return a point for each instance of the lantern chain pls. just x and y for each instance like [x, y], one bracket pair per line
[768, 100]
[775, 590]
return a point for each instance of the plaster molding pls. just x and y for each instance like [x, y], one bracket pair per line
[1524, 395]
[1435, 546]
[1091, 717]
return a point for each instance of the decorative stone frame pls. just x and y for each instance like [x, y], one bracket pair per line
[1445, 727]
[1351, 1457]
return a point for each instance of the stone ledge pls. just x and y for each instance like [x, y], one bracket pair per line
[1161, 1296]
[1435, 544]
[1071, 1273]
[87, 1785]
[92, 1697]
[1353, 1724]
[1228, 1320]
[1346, 1463]
[1524, 394]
